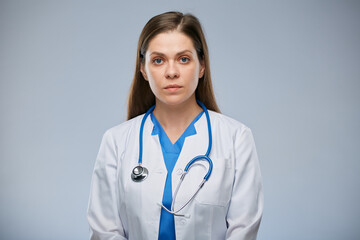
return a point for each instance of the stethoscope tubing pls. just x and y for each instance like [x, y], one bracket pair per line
[209, 127]
[141, 133]
[206, 177]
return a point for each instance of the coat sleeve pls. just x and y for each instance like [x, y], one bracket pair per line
[103, 214]
[246, 204]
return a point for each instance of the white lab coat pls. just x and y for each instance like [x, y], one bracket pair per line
[229, 206]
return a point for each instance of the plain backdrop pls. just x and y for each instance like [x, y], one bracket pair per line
[290, 70]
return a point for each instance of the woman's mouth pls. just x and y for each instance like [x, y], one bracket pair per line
[172, 87]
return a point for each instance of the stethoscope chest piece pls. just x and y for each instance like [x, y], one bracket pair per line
[139, 173]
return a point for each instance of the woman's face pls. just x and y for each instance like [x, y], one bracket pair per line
[172, 68]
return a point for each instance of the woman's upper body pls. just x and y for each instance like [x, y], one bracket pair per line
[172, 71]
[229, 206]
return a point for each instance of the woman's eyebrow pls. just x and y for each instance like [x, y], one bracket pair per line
[177, 54]
[157, 53]
[183, 52]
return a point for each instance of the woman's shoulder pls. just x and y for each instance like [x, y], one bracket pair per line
[226, 122]
[225, 127]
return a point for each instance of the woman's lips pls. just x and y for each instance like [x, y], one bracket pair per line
[172, 87]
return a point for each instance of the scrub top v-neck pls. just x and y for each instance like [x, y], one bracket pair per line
[171, 153]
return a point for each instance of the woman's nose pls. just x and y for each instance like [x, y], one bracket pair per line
[172, 70]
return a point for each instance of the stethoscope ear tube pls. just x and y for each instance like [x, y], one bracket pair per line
[172, 211]
[197, 158]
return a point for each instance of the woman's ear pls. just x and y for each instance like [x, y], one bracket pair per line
[143, 72]
[202, 69]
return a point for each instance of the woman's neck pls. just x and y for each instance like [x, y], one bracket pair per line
[174, 119]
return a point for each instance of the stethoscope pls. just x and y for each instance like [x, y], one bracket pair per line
[139, 173]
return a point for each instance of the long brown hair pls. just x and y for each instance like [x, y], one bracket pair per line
[141, 98]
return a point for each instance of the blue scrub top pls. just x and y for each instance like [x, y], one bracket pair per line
[171, 153]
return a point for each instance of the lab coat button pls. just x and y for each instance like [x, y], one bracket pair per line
[179, 171]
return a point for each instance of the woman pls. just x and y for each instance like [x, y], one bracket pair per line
[139, 187]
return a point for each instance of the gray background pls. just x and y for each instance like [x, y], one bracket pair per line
[288, 69]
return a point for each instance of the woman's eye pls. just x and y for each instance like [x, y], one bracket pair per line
[157, 61]
[184, 59]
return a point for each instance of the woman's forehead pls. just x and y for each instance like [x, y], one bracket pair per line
[170, 42]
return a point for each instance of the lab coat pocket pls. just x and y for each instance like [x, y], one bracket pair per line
[211, 220]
